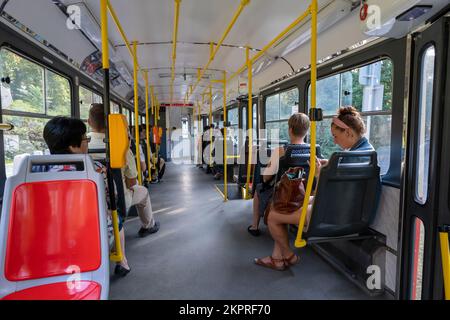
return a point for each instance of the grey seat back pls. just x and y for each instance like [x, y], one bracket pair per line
[347, 195]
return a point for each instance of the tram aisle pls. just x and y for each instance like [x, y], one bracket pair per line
[203, 251]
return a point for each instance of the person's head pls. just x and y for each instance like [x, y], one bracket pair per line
[142, 132]
[66, 136]
[347, 127]
[97, 118]
[298, 126]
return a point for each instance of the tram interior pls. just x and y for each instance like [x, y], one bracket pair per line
[52, 50]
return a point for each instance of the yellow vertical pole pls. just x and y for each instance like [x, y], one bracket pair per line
[210, 124]
[147, 128]
[445, 253]
[225, 165]
[299, 241]
[250, 121]
[154, 151]
[136, 111]
[117, 256]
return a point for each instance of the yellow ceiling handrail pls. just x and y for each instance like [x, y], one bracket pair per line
[238, 12]
[174, 44]
[122, 32]
[272, 42]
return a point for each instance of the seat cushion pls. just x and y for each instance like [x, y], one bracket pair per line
[87, 290]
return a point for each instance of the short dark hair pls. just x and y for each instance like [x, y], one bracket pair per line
[60, 133]
[97, 116]
[299, 123]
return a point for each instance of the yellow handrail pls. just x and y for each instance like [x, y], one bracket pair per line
[250, 121]
[225, 165]
[136, 111]
[272, 42]
[174, 44]
[147, 127]
[299, 241]
[120, 29]
[445, 254]
[116, 256]
[210, 125]
[238, 12]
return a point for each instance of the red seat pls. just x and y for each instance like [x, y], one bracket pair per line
[87, 290]
[53, 232]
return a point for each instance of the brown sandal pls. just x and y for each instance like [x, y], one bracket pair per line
[288, 261]
[272, 263]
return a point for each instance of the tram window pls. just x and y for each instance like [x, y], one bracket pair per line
[369, 90]
[25, 93]
[132, 118]
[279, 108]
[115, 108]
[244, 118]
[87, 97]
[33, 96]
[424, 127]
[57, 95]
[233, 129]
[126, 112]
[417, 246]
[26, 137]
[255, 116]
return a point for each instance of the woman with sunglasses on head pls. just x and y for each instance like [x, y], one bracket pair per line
[347, 129]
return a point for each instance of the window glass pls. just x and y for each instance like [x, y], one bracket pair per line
[288, 103]
[58, 95]
[87, 97]
[279, 108]
[282, 135]
[132, 118]
[272, 108]
[233, 116]
[369, 90]
[232, 130]
[126, 112]
[25, 92]
[424, 127]
[115, 108]
[27, 137]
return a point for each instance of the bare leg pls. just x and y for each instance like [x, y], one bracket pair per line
[124, 262]
[256, 216]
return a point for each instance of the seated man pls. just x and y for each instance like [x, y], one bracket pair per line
[298, 128]
[135, 195]
[68, 136]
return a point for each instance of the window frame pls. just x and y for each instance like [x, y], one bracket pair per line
[44, 115]
[417, 134]
[93, 92]
[362, 113]
[279, 92]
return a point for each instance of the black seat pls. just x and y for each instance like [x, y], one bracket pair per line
[117, 177]
[296, 155]
[347, 196]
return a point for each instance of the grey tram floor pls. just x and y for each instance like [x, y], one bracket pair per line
[203, 251]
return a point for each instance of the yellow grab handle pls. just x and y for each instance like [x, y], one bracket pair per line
[445, 252]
